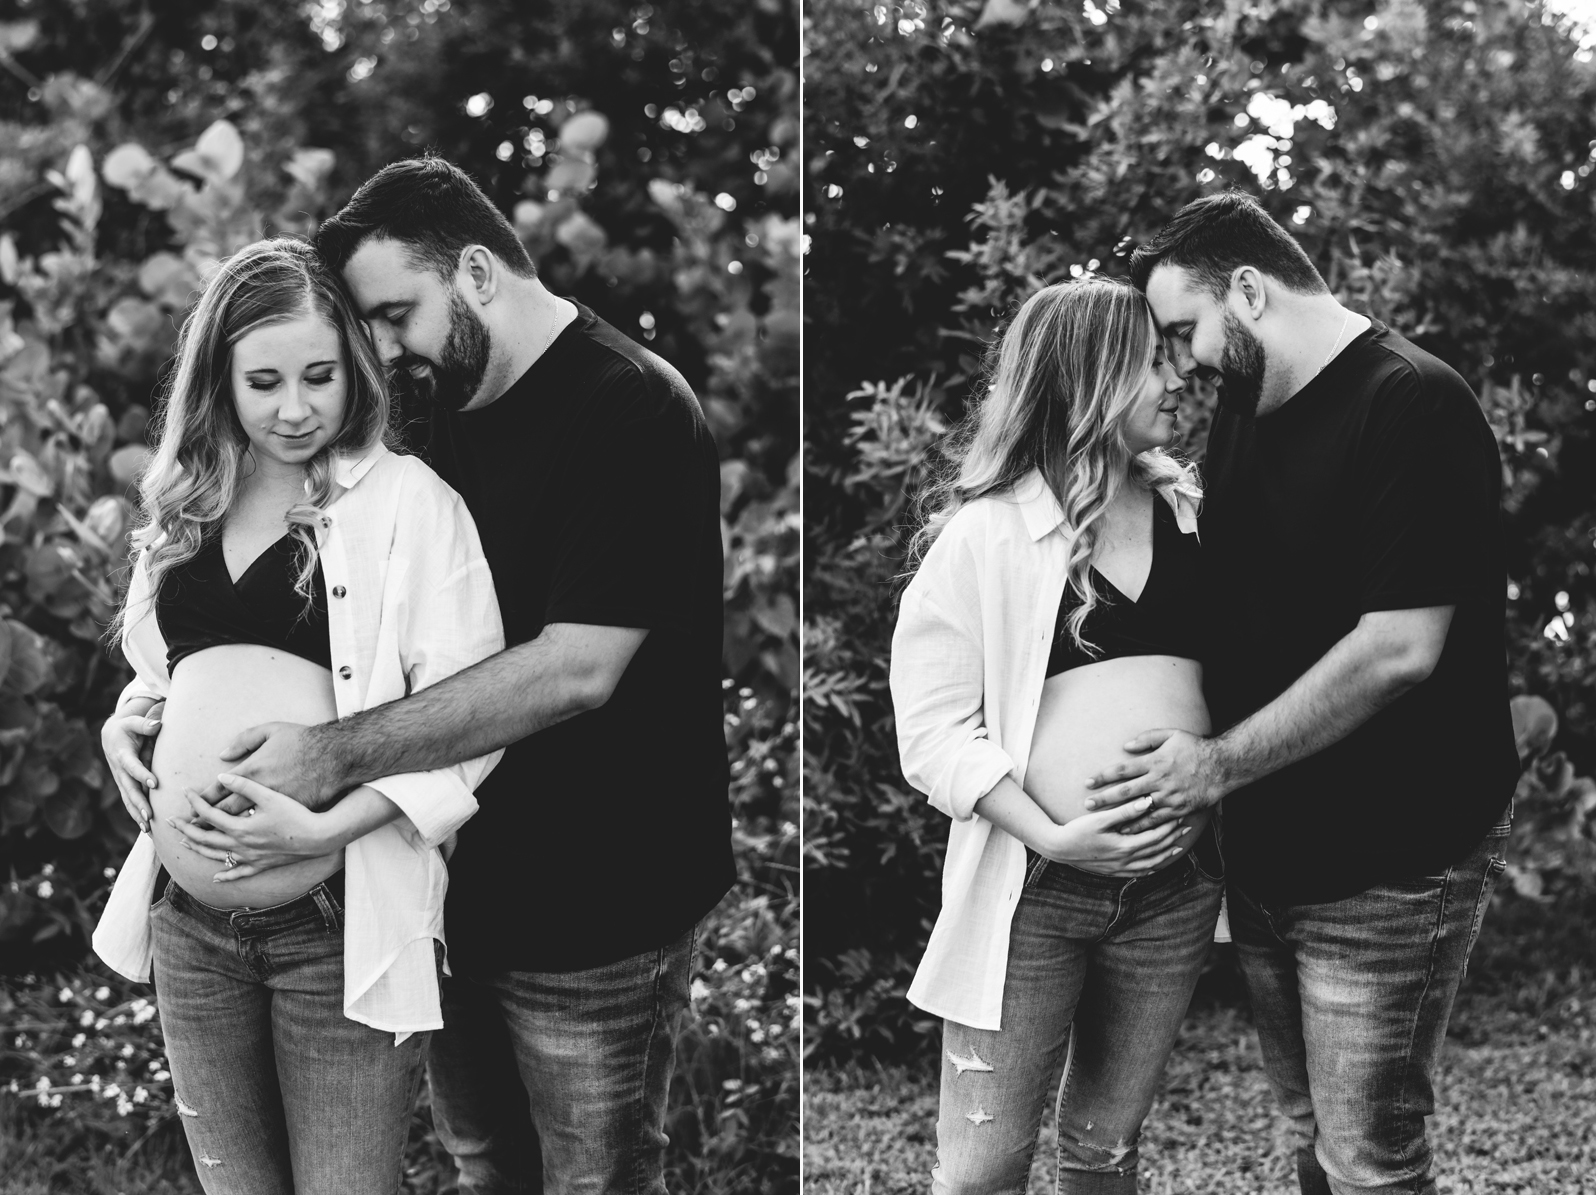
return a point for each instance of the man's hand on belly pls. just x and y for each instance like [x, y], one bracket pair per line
[1180, 771]
[284, 757]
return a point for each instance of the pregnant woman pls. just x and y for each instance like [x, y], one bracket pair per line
[291, 568]
[1053, 617]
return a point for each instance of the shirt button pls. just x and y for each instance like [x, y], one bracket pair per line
[339, 591]
[346, 672]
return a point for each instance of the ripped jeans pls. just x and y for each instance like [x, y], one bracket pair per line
[278, 1091]
[1100, 972]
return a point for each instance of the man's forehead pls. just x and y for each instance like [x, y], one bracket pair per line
[1175, 294]
[383, 271]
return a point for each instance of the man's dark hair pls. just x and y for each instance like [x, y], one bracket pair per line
[1213, 236]
[431, 207]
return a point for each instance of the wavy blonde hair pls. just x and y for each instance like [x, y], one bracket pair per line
[193, 478]
[1062, 379]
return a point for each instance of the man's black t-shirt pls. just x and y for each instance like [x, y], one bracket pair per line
[595, 487]
[1377, 486]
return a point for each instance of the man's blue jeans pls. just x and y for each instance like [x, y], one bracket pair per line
[1100, 970]
[278, 1091]
[1351, 999]
[556, 1081]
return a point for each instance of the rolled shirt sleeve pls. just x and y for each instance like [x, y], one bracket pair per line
[449, 620]
[937, 680]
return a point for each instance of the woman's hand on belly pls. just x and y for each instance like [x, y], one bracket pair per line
[277, 831]
[1099, 842]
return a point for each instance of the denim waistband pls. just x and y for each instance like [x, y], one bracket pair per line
[322, 903]
[1206, 849]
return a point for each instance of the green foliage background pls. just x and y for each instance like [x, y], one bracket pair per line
[1434, 158]
[645, 155]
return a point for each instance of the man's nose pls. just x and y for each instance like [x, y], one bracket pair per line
[387, 344]
[1180, 355]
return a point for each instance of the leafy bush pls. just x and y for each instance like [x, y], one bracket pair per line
[645, 157]
[1433, 159]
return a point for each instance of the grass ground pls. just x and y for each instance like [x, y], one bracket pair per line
[1516, 1090]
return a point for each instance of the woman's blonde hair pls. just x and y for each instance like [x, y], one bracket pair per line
[193, 478]
[1061, 380]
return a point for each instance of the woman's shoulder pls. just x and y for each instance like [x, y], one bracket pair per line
[407, 478]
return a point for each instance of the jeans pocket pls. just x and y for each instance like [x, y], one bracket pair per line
[1493, 872]
[1035, 865]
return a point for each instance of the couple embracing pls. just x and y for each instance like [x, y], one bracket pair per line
[350, 662]
[1098, 648]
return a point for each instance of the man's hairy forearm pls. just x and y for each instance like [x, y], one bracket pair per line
[492, 704]
[1363, 673]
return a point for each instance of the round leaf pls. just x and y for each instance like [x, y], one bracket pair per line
[584, 132]
[127, 166]
[70, 812]
[128, 462]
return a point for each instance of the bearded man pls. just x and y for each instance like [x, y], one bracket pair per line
[1352, 531]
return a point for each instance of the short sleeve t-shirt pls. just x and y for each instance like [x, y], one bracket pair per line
[595, 486]
[1377, 486]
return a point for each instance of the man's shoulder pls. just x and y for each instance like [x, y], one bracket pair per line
[627, 380]
[1406, 372]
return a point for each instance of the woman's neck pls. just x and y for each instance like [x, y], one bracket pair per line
[269, 485]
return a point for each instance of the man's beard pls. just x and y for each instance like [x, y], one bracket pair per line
[457, 374]
[1241, 367]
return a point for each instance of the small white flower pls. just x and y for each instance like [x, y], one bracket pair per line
[86, 1018]
[102, 994]
[144, 1014]
[66, 995]
[699, 990]
[46, 890]
[127, 1050]
[69, 1060]
[161, 1076]
[77, 1041]
[76, 1079]
[43, 1084]
[140, 1095]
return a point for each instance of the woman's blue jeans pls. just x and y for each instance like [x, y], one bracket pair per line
[278, 1091]
[1351, 998]
[1100, 972]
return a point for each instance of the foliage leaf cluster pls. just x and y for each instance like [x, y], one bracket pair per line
[1432, 156]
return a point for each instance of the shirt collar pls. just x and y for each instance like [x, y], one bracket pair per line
[352, 466]
[1038, 507]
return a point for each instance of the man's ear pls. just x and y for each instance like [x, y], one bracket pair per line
[479, 273]
[1247, 286]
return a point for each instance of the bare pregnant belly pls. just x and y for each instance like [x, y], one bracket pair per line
[1089, 713]
[216, 693]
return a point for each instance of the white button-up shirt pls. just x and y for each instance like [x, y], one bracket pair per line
[969, 658]
[413, 602]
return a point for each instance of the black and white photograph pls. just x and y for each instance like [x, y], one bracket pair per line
[1198, 606]
[399, 576]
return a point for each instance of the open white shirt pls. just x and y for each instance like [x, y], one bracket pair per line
[412, 601]
[969, 658]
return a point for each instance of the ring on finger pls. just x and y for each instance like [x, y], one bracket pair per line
[230, 860]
